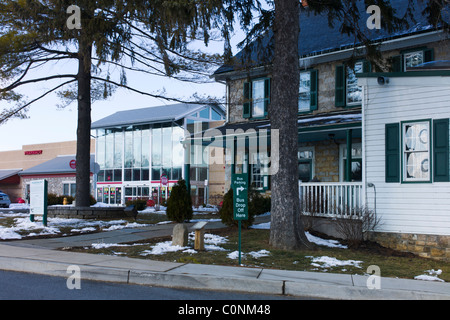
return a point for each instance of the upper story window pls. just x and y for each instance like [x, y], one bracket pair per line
[411, 58]
[256, 98]
[307, 100]
[353, 91]
[347, 91]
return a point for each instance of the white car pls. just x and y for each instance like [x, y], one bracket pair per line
[4, 200]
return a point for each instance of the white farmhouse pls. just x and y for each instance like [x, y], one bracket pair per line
[406, 151]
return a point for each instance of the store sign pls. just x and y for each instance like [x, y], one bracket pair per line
[34, 152]
[164, 180]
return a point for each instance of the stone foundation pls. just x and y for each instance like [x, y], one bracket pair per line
[424, 245]
[89, 213]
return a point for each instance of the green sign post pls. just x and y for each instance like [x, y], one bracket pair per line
[240, 202]
[38, 200]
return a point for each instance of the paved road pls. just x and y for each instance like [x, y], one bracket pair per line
[26, 286]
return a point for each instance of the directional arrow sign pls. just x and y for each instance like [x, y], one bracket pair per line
[240, 196]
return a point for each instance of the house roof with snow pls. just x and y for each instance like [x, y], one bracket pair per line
[317, 37]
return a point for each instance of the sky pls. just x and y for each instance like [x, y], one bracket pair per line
[46, 123]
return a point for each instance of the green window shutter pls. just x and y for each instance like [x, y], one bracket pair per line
[314, 90]
[441, 150]
[393, 152]
[267, 91]
[247, 100]
[367, 66]
[340, 98]
[397, 65]
[428, 55]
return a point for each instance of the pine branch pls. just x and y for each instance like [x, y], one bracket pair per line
[14, 112]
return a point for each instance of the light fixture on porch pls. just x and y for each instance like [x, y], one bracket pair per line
[332, 137]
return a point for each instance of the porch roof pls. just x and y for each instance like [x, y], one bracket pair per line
[310, 128]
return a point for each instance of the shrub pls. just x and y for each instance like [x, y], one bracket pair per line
[356, 226]
[257, 203]
[226, 212]
[179, 205]
[54, 199]
[139, 204]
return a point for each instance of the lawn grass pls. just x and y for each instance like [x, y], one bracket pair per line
[391, 263]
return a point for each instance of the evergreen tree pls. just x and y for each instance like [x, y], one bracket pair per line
[149, 36]
[179, 205]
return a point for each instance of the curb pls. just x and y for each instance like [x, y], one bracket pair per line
[172, 279]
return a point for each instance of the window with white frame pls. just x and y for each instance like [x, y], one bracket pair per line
[69, 189]
[416, 151]
[356, 162]
[304, 100]
[259, 171]
[258, 98]
[412, 59]
[353, 91]
[306, 164]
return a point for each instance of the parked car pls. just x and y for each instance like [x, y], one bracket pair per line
[4, 200]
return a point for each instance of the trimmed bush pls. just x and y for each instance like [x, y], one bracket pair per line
[139, 204]
[226, 212]
[54, 199]
[179, 205]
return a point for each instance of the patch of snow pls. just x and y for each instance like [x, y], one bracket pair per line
[259, 254]
[101, 205]
[328, 262]
[163, 248]
[324, 242]
[265, 226]
[431, 276]
[255, 254]
[311, 238]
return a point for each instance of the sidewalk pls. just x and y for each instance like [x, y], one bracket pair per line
[39, 256]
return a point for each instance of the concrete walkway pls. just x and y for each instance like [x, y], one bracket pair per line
[39, 256]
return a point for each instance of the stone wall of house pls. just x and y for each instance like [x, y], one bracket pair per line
[236, 100]
[436, 247]
[55, 185]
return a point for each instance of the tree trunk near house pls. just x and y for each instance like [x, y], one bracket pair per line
[287, 230]
[83, 157]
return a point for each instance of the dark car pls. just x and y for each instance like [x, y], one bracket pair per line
[4, 200]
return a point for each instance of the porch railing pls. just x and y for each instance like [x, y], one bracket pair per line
[334, 200]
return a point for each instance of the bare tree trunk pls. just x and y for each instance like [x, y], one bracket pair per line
[84, 125]
[287, 230]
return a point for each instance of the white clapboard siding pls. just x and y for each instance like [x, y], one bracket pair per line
[422, 208]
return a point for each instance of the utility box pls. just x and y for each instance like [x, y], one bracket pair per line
[199, 242]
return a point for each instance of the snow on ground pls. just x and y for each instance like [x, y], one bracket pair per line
[211, 244]
[21, 226]
[431, 276]
[311, 238]
[325, 262]
[254, 254]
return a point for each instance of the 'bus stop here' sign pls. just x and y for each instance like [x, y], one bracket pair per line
[240, 196]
